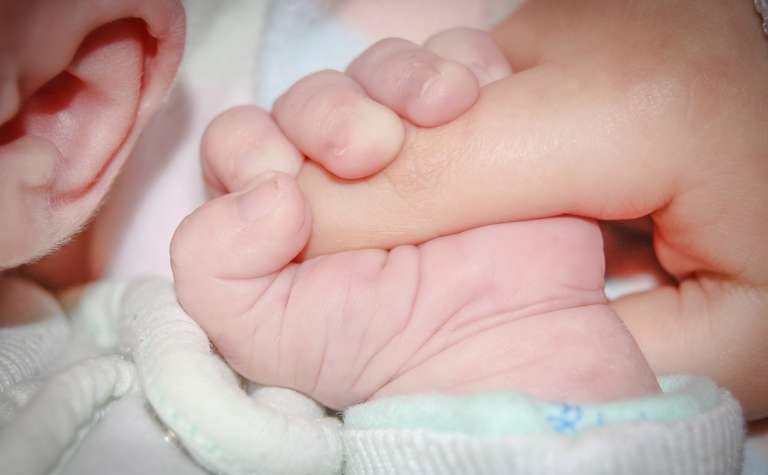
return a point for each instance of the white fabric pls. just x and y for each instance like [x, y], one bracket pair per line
[47, 429]
[277, 431]
[708, 444]
[41, 332]
[36, 332]
[129, 440]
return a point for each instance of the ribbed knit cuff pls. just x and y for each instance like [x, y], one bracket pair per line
[709, 442]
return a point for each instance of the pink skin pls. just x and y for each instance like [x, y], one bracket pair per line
[104, 70]
[509, 306]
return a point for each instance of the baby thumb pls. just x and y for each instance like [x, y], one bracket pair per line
[225, 252]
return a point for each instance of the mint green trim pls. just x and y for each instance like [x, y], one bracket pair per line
[503, 413]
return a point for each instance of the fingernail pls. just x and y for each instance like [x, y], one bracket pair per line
[262, 199]
[428, 83]
[487, 74]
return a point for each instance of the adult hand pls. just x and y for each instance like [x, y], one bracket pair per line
[617, 110]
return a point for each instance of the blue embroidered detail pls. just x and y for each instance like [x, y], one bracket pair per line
[567, 420]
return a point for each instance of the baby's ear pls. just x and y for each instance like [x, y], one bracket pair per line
[80, 109]
[88, 109]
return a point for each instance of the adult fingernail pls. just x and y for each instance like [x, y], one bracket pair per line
[262, 199]
[429, 82]
[488, 73]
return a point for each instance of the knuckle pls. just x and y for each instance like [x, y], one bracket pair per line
[229, 136]
[333, 111]
[382, 49]
[292, 101]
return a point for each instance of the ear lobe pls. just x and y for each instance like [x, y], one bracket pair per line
[88, 110]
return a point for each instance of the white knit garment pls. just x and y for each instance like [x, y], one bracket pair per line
[47, 429]
[25, 350]
[707, 444]
[278, 431]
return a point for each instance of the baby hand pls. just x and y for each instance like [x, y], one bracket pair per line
[508, 306]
